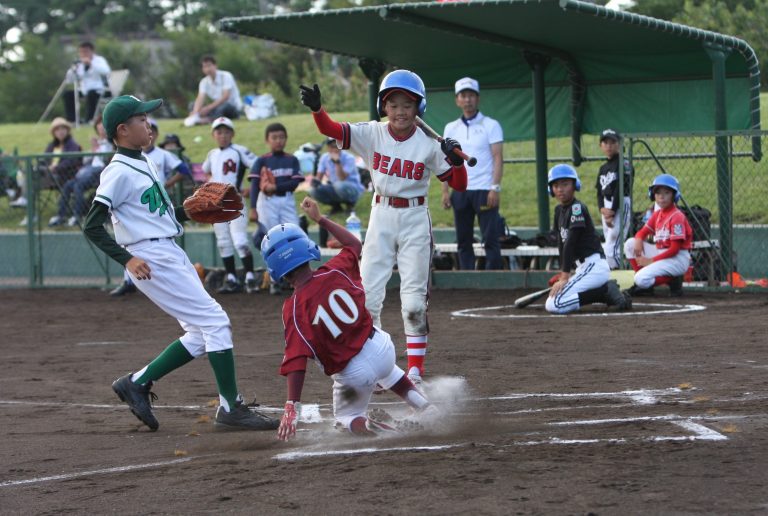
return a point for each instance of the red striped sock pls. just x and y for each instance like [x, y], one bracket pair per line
[634, 265]
[416, 347]
[662, 280]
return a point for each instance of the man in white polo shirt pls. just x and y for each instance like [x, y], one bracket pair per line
[221, 88]
[480, 136]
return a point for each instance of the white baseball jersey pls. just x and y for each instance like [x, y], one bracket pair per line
[476, 137]
[165, 162]
[138, 203]
[227, 165]
[400, 167]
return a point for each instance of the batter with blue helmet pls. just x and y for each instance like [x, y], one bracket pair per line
[401, 158]
[584, 272]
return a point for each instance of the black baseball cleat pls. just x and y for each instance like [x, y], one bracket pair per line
[676, 286]
[139, 399]
[251, 286]
[614, 297]
[636, 291]
[123, 289]
[241, 417]
[230, 287]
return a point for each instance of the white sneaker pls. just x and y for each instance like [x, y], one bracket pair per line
[415, 379]
[191, 120]
[55, 221]
[21, 202]
[23, 221]
[72, 221]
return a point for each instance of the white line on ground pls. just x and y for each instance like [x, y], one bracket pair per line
[359, 451]
[663, 308]
[105, 471]
[103, 343]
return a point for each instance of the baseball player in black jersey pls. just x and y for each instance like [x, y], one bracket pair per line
[608, 198]
[579, 249]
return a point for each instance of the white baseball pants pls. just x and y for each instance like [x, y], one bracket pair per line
[646, 277]
[176, 288]
[593, 272]
[401, 236]
[274, 210]
[614, 236]
[353, 386]
[233, 236]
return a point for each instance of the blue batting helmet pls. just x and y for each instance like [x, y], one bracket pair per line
[668, 181]
[562, 171]
[402, 80]
[286, 247]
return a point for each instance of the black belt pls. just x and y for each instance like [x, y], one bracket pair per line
[373, 332]
[158, 239]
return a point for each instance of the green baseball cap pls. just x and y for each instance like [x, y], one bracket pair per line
[120, 109]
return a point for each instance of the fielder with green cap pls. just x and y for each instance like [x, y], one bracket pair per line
[145, 224]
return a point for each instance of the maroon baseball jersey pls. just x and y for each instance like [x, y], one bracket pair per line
[326, 319]
[668, 225]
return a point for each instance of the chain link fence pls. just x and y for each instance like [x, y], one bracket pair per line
[41, 224]
[723, 178]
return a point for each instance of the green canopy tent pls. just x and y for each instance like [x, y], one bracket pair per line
[547, 68]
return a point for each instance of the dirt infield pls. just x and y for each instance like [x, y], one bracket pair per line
[654, 413]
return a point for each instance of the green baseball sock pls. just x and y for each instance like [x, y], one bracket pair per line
[223, 365]
[173, 357]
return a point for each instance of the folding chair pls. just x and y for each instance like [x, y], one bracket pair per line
[115, 84]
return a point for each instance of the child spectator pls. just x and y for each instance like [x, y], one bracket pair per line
[172, 144]
[326, 320]
[226, 164]
[580, 249]
[274, 204]
[666, 262]
[87, 177]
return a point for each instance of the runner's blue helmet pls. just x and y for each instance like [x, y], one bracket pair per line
[562, 171]
[667, 180]
[402, 80]
[286, 247]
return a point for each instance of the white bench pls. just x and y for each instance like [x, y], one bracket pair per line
[550, 254]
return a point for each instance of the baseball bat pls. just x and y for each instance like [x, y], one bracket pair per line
[524, 301]
[471, 160]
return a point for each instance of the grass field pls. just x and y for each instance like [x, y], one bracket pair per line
[518, 200]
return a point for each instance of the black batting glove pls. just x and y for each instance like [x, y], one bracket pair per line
[447, 145]
[310, 97]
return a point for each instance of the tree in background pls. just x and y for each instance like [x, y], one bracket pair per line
[743, 19]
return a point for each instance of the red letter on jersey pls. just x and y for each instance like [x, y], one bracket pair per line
[419, 171]
[408, 169]
[376, 160]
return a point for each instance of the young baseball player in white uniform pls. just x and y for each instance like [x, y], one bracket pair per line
[401, 158]
[226, 164]
[167, 164]
[145, 224]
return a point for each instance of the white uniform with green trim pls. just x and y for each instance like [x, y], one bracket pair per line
[145, 224]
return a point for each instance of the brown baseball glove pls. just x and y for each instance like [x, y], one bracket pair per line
[267, 178]
[214, 202]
